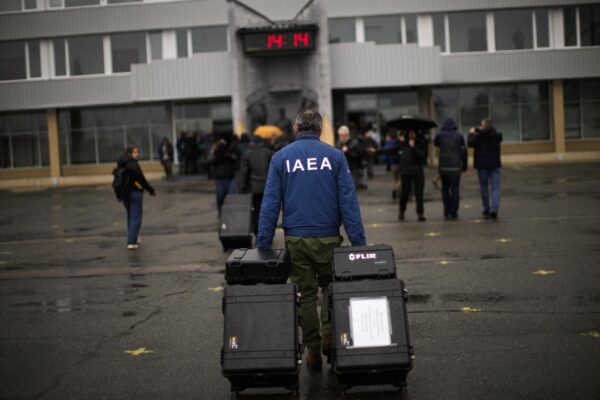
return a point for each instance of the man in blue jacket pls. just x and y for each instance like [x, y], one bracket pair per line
[310, 180]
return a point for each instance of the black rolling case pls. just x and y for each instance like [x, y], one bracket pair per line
[363, 262]
[261, 340]
[381, 364]
[251, 266]
[235, 229]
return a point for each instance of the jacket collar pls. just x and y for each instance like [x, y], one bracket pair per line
[307, 135]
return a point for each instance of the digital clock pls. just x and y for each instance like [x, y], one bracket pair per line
[279, 40]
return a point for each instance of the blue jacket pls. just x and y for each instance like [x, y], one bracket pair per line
[310, 180]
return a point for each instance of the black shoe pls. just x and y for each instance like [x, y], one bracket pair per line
[401, 216]
[486, 215]
[422, 218]
[494, 215]
[454, 217]
[393, 194]
[446, 217]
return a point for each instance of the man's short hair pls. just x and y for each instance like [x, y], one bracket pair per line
[309, 120]
[343, 128]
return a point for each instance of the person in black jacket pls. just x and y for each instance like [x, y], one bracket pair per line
[133, 200]
[224, 157]
[486, 142]
[165, 155]
[253, 174]
[352, 149]
[412, 160]
[452, 161]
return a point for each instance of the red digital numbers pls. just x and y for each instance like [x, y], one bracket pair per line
[282, 41]
[276, 41]
[301, 39]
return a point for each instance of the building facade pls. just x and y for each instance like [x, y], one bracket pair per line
[81, 79]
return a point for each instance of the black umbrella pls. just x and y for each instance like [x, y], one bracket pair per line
[416, 122]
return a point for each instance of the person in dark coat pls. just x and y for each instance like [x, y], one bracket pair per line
[165, 155]
[253, 174]
[412, 160]
[133, 200]
[352, 149]
[486, 142]
[452, 161]
[224, 158]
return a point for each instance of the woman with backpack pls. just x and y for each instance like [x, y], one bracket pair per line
[130, 188]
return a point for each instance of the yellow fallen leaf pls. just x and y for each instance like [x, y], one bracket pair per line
[470, 310]
[542, 272]
[139, 351]
[216, 289]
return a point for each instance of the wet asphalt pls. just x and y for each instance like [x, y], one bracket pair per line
[506, 309]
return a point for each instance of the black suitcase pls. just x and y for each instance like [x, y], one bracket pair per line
[251, 266]
[261, 340]
[239, 199]
[235, 229]
[382, 364]
[363, 262]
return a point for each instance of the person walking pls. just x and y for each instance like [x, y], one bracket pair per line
[452, 162]
[393, 159]
[412, 160]
[165, 155]
[134, 198]
[486, 142]
[253, 174]
[224, 158]
[311, 181]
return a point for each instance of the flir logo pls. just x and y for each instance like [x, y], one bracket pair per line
[361, 256]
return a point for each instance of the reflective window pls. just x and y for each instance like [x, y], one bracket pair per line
[439, 31]
[35, 68]
[582, 108]
[79, 3]
[570, 25]
[467, 31]
[127, 49]
[123, 1]
[156, 45]
[589, 19]
[341, 30]
[30, 4]
[411, 28]
[210, 38]
[520, 111]
[514, 30]
[60, 64]
[182, 43]
[542, 28]
[23, 140]
[86, 55]
[382, 30]
[12, 61]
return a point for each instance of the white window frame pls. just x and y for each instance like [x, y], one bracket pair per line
[107, 50]
[578, 27]
[359, 26]
[490, 26]
[446, 34]
[402, 30]
[189, 43]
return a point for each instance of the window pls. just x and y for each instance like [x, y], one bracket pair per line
[60, 63]
[30, 4]
[520, 111]
[410, 22]
[182, 43]
[542, 28]
[513, 29]
[439, 31]
[97, 135]
[127, 49]
[582, 108]
[467, 31]
[86, 55]
[382, 30]
[23, 140]
[10, 5]
[155, 45]
[570, 25]
[123, 1]
[342, 30]
[35, 68]
[79, 3]
[210, 38]
[12, 61]
[589, 18]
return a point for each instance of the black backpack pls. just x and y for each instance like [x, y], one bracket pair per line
[121, 180]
